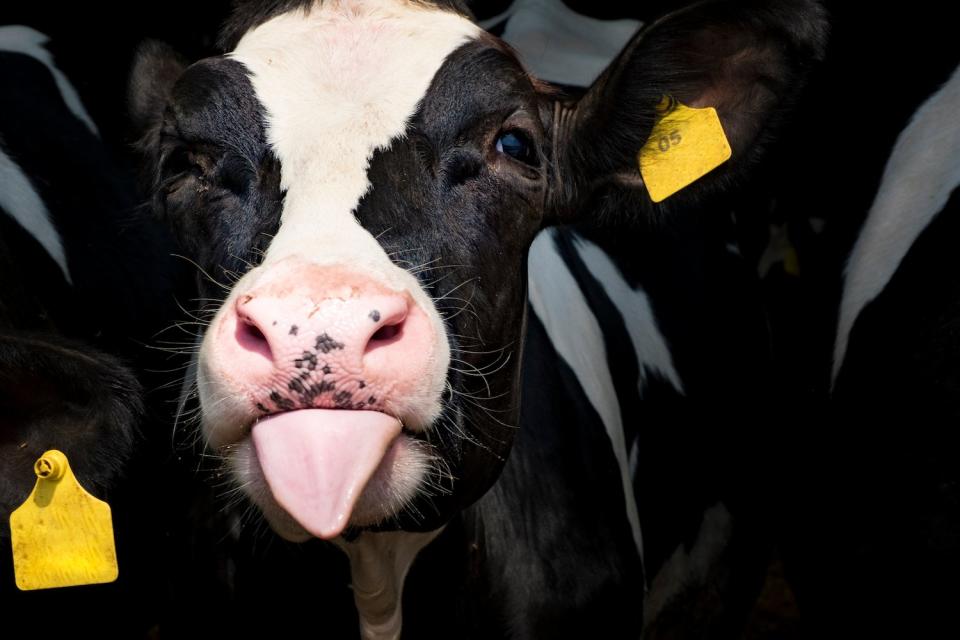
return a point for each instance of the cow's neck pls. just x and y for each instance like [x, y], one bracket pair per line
[378, 566]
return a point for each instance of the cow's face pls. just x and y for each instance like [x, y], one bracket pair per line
[363, 180]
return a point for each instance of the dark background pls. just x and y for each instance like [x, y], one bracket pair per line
[882, 62]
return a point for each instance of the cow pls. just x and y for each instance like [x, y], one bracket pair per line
[359, 185]
[57, 392]
[684, 296]
[80, 271]
[892, 503]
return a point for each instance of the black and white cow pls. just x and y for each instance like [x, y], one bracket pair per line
[80, 276]
[55, 390]
[893, 522]
[360, 183]
[651, 332]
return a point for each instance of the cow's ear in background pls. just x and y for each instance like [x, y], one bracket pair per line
[748, 60]
[156, 68]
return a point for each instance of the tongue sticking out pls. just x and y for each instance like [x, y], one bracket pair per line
[317, 461]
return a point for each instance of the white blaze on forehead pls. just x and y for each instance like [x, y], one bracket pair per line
[337, 84]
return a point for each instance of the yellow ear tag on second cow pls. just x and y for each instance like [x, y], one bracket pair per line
[62, 536]
[685, 145]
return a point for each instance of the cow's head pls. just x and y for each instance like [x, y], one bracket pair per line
[360, 182]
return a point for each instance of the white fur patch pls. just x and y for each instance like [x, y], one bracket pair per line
[379, 563]
[920, 175]
[560, 45]
[19, 39]
[557, 301]
[22, 202]
[651, 348]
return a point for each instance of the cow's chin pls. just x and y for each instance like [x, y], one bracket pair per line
[402, 474]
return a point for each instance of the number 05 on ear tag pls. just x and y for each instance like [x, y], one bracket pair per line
[685, 145]
[62, 536]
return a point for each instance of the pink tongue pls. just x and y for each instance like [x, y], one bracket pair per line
[317, 461]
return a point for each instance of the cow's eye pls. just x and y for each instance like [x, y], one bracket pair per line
[518, 145]
[182, 161]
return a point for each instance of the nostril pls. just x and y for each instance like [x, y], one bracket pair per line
[384, 333]
[251, 338]
[389, 331]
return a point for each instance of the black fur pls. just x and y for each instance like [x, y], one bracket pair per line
[872, 499]
[895, 486]
[749, 60]
[214, 181]
[92, 205]
[86, 394]
[59, 394]
[558, 556]
[69, 352]
[446, 164]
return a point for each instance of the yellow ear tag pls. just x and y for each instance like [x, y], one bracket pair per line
[62, 536]
[685, 145]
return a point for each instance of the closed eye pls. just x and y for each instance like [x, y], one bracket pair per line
[181, 162]
[517, 145]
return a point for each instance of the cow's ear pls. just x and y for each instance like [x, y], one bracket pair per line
[156, 68]
[746, 59]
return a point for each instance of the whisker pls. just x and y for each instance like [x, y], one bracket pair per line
[201, 270]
